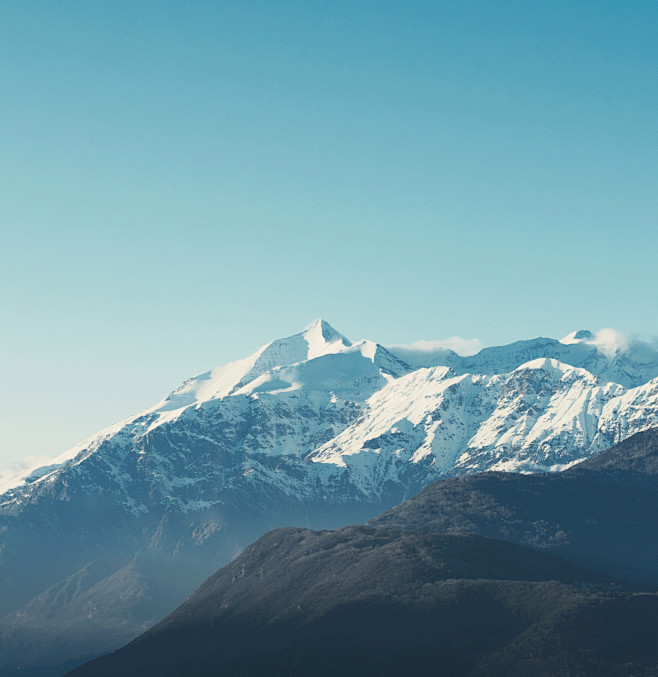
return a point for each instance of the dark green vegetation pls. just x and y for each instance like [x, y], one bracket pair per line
[409, 594]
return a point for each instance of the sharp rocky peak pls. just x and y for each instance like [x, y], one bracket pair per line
[322, 338]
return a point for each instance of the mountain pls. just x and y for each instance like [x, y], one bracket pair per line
[398, 597]
[312, 430]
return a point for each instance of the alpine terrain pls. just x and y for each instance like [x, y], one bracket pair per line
[310, 431]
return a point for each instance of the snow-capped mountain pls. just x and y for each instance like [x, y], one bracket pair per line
[311, 430]
[359, 413]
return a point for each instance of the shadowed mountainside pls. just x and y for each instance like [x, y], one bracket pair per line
[363, 600]
[600, 514]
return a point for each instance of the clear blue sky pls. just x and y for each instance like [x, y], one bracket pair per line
[181, 182]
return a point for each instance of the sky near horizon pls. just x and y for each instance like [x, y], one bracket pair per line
[183, 182]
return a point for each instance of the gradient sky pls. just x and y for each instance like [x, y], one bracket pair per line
[183, 182]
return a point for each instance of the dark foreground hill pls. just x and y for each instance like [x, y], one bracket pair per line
[377, 601]
[602, 513]
[394, 598]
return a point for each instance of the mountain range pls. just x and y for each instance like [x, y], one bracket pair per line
[310, 431]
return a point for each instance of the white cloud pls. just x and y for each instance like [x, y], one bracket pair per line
[14, 475]
[24, 466]
[462, 346]
[610, 341]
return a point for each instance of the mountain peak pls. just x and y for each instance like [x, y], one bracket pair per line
[321, 327]
[319, 338]
[578, 336]
[322, 338]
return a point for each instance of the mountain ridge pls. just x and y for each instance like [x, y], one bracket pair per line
[320, 340]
